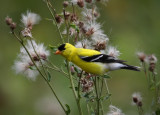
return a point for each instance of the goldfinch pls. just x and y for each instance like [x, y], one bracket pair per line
[92, 61]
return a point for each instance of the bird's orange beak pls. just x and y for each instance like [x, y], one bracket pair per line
[58, 52]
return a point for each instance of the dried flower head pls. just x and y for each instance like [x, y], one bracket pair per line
[39, 48]
[94, 31]
[100, 45]
[25, 67]
[80, 3]
[84, 44]
[141, 56]
[65, 3]
[114, 111]
[90, 14]
[86, 83]
[26, 32]
[59, 19]
[152, 59]
[29, 19]
[112, 51]
[74, 17]
[137, 98]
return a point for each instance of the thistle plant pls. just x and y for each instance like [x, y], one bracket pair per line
[149, 63]
[76, 24]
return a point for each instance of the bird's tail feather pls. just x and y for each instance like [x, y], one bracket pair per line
[129, 67]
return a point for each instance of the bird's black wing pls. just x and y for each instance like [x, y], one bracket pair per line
[101, 58]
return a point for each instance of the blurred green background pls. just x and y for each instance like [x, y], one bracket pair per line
[131, 25]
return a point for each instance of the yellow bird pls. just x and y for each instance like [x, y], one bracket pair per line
[92, 61]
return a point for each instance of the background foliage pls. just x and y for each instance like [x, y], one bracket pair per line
[131, 25]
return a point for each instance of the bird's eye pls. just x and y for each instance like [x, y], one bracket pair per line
[61, 47]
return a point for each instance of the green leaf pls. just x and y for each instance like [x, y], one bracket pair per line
[60, 14]
[68, 109]
[51, 46]
[106, 76]
[152, 87]
[74, 27]
[32, 67]
[48, 19]
[49, 76]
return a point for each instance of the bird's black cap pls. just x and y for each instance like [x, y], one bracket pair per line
[61, 47]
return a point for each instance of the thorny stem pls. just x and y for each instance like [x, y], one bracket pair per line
[73, 89]
[108, 92]
[53, 15]
[39, 70]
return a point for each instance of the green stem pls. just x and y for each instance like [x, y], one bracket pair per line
[67, 28]
[58, 70]
[145, 72]
[108, 92]
[102, 110]
[53, 15]
[73, 89]
[156, 91]
[97, 97]
[40, 71]
[102, 81]
[79, 81]
[88, 109]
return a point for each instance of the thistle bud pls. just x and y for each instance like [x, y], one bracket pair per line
[8, 20]
[72, 70]
[59, 19]
[13, 26]
[96, 14]
[141, 56]
[139, 104]
[80, 3]
[135, 100]
[152, 67]
[65, 4]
